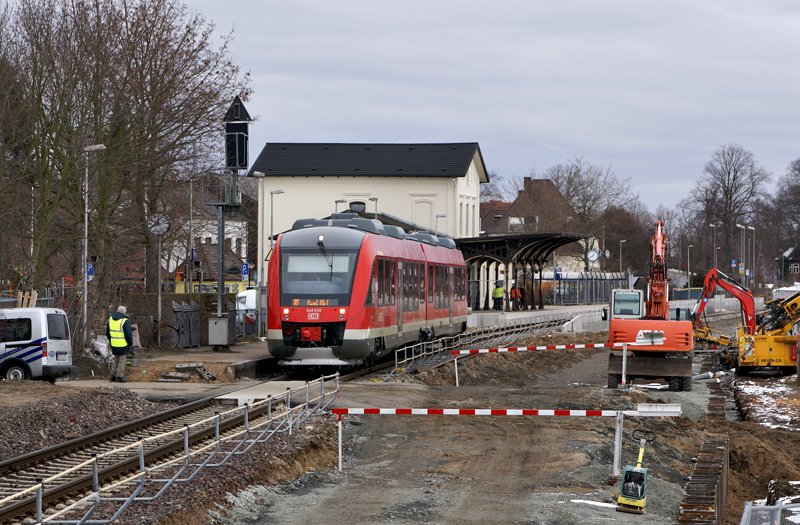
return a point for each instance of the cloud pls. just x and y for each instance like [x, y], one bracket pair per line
[650, 88]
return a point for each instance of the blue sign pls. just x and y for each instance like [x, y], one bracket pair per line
[245, 269]
[733, 263]
[90, 272]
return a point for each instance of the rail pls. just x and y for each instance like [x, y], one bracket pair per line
[211, 442]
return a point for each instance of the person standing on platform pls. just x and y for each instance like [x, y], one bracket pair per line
[497, 296]
[514, 296]
[120, 335]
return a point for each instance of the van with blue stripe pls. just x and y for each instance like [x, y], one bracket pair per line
[34, 343]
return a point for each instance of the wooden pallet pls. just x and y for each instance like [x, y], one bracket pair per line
[27, 299]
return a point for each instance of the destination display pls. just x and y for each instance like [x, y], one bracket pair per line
[315, 302]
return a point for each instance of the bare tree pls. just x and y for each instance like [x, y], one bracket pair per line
[728, 193]
[142, 77]
[591, 191]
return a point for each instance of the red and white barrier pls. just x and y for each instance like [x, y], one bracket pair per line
[472, 412]
[642, 410]
[500, 350]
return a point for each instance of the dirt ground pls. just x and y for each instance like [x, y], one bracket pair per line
[482, 469]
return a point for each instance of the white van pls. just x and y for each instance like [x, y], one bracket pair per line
[34, 343]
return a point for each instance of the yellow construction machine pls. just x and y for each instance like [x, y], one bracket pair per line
[773, 346]
[764, 341]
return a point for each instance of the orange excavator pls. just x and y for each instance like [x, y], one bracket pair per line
[633, 316]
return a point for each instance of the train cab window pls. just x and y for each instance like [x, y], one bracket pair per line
[312, 275]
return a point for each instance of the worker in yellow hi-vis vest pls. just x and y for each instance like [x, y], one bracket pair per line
[497, 296]
[120, 335]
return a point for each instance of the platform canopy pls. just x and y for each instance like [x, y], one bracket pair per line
[529, 248]
[518, 251]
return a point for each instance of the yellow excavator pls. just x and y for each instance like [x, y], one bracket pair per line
[765, 340]
[774, 345]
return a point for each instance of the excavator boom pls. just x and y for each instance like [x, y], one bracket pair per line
[715, 278]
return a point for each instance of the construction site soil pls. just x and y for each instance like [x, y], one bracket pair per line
[450, 469]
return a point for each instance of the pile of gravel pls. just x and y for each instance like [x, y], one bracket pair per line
[64, 416]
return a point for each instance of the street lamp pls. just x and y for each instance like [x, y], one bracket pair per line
[714, 243]
[436, 223]
[620, 254]
[753, 259]
[337, 202]
[261, 297]
[272, 194]
[688, 263]
[375, 200]
[86, 150]
[742, 265]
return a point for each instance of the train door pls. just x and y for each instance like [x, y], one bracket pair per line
[400, 297]
[450, 293]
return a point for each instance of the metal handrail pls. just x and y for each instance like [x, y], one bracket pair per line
[242, 441]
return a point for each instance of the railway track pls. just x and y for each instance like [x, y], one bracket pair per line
[37, 487]
[79, 473]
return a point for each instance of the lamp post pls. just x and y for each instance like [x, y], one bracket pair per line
[272, 194]
[337, 202]
[436, 222]
[742, 264]
[688, 263]
[86, 150]
[753, 258]
[714, 243]
[375, 200]
[261, 297]
[620, 254]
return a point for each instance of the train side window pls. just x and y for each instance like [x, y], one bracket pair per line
[404, 288]
[392, 281]
[414, 287]
[381, 282]
[430, 283]
[422, 283]
[372, 285]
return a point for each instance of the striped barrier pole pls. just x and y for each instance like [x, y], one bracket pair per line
[642, 410]
[501, 350]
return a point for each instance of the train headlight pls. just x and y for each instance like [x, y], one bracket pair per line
[285, 314]
[341, 313]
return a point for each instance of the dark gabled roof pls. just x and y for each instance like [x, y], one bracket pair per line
[285, 159]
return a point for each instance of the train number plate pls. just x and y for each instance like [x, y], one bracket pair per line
[313, 316]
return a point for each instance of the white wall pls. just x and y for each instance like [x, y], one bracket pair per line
[416, 199]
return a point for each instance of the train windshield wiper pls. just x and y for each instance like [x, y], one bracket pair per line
[328, 259]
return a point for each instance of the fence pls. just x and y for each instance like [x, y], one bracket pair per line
[582, 287]
[276, 416]
[410, 356]
[770, 515]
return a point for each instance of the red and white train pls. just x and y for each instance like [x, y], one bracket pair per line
[345, 290]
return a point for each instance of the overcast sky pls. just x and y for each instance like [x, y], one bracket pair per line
[650, 88]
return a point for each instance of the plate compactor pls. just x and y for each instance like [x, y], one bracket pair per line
[633, 491]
